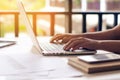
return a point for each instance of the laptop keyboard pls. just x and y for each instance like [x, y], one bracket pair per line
[57, 49]
[51, 47]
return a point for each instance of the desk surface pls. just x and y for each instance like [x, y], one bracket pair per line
[22, 53]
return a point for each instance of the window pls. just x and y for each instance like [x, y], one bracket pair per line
[113, 5]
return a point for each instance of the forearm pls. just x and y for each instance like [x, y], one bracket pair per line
[101, 35]
[109, 45]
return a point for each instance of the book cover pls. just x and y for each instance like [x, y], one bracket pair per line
[93, 68]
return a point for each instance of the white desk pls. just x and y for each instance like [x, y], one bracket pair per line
[22, 54]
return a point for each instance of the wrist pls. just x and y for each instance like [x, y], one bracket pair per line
[79, 35]
[99, 45]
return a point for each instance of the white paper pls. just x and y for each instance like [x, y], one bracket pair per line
[33, 65]
[63, 69]
[10, 66]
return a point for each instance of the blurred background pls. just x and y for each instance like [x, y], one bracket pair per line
[43, 21]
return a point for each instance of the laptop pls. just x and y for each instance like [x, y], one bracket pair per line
[43, 46]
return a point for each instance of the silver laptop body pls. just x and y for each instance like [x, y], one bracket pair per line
[44, 46]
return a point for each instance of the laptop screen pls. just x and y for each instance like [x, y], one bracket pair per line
[28, 25]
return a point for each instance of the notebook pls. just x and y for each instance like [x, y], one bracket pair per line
[5, 43]
[84, 63]
[45, 47]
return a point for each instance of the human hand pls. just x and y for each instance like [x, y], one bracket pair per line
[62, 38]
[77, 43]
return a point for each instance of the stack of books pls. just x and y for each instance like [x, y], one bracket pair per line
[96, 65]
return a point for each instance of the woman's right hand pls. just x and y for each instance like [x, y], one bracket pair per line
[62, 38]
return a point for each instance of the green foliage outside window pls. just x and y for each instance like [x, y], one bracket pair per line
[12, 5]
